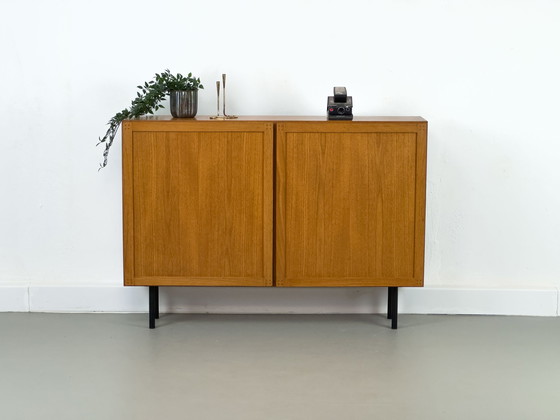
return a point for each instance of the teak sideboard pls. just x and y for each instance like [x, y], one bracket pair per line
[274, 201]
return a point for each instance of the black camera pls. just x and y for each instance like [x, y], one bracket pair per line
[339, 106]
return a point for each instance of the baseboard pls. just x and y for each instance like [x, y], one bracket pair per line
[535, 302]
[14, 298]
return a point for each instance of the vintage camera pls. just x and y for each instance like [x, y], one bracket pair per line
[339, 106]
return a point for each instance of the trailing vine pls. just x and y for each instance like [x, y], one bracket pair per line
[147, 101]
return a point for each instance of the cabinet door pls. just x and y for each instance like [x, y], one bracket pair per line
[350, 204]
[197, 203]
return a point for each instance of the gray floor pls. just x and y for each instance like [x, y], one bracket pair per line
[101, 366]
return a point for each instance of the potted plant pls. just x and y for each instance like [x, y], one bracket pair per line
[183, 92]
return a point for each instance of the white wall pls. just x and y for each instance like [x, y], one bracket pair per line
[483, 73]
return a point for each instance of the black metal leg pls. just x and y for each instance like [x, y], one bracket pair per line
[389, 302]
[153, 298]
[394, 306]
[157, 302]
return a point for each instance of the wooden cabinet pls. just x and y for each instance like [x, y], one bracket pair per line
[350, 202]
[197, 203]
[274, 201]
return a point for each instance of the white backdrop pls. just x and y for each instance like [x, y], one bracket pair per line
[483, 73]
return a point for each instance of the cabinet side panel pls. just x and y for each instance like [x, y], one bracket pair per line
[199, 201]
[421, 165]
[128, 207]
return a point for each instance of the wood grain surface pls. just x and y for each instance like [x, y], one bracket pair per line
[350, 204]
[346, 200]
[199, 206]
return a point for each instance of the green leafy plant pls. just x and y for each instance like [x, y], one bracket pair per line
[147, 101]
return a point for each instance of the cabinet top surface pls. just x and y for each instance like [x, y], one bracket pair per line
[279, 118]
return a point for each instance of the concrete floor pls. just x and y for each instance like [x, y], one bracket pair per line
[109, 366]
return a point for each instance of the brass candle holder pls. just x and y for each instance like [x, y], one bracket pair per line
[225, 116]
